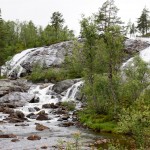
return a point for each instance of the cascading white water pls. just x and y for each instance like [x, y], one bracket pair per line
[144, 54]
[71, 92]
[15, 62]
[45, 95]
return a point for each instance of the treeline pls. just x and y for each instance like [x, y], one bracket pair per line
[16, 36]
[143, 24]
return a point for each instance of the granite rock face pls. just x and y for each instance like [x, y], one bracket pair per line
[7, 86]
[53, 56]
[46, 57]
[16, 99]
[135, 45]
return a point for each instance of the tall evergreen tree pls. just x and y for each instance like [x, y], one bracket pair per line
[107, 15]
[2, 41]
[57, 22]
[143, 22]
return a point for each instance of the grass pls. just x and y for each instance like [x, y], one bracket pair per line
[97, 122]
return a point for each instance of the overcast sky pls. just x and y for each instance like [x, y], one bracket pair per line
[40, 11]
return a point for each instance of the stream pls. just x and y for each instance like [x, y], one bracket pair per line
[49, 137]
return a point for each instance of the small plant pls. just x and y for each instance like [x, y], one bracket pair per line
[76, 137]
[69, 105]
[70, 145]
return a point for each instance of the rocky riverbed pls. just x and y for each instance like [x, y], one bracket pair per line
[32, 115]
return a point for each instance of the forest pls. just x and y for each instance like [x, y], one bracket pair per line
[116, 99]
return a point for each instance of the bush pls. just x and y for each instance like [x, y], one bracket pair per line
[135, 120]
[52, 74]
[70, 105]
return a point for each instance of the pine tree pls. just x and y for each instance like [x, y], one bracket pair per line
[57, 22]
[107, 15]
[144, 22]
[2, 42]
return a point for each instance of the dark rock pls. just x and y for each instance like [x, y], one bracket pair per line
[8, 136]
[61, 111]
[15, 140]
[52, 105]
[65, 117]
[16, 117]
[44, 147]
[31, 109]
[67, 124]
[19, 114]
[33, 116]
[7, 110]
[35, 100]
[14, 120]
[36, 108]
[29, 115]
[40, 127]
[42, 112]
[60, 119]
[42, 117]
[34, 137]
[1, 109]
[23, 125]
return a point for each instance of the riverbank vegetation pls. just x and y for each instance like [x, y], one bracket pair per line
[117, 96]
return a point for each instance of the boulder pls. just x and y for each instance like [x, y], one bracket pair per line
[66, 124]
[8, 136]
[7, 86]
[34, 137]
[7, 110]
[17, 99]
[132, 45]
[40, 127]
[16, 117]
[23, 63]
[15, 140]
[52, 105]
[42, 117]
[61, 86]
[32, 116]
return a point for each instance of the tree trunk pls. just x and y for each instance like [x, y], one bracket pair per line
[111, 86]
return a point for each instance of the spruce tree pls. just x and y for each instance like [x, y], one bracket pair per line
[2, 41]
[107, 15]
[143, 22]
[57, 22]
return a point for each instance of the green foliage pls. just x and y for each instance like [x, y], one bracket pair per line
[74, 144]
[74, 63]
[52, 74]
[17, 36]
[69, 105]
[136, 80]
[97, 122]
[143, 23]
[107, 16]
[135, 120]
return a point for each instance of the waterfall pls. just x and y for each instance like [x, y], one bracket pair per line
[71, 92]
[144, 54]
